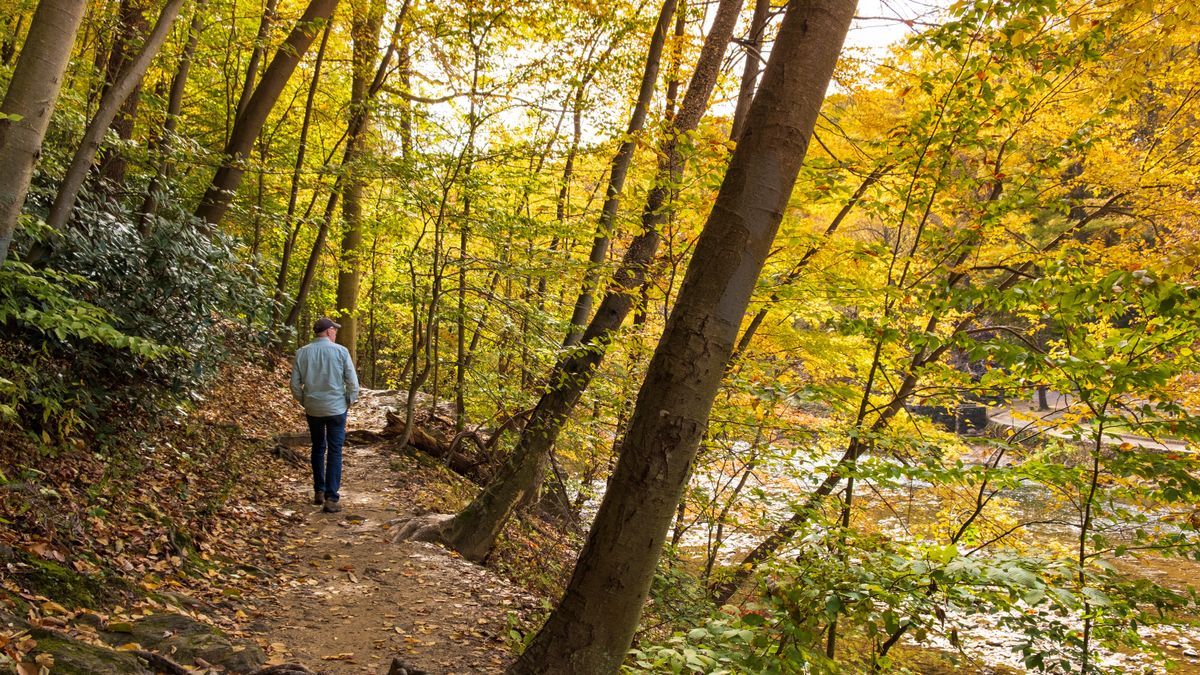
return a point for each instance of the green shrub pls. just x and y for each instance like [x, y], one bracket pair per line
[122, 315]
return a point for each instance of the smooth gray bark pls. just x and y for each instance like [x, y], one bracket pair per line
[29, 103]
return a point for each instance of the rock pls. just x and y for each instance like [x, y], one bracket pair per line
[66, 586]
[189, 642]
[1173, 644]
[1191, 653]
[72, 657]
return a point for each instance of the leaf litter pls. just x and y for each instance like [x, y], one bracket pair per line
[211, 526]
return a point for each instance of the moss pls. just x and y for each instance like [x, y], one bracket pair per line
[65, 586]
[189, 641]
[72, 657]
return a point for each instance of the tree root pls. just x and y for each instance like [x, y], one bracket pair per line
[285, 669]
[430, 528]
[161, 663]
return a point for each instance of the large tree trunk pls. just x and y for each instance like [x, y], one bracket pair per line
[365, 26]
[110, 104]
[29, 103]
[591, 629]
[616, 177]
[473, 531]
[217, 198]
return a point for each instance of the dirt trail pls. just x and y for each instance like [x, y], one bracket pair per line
[349, 600]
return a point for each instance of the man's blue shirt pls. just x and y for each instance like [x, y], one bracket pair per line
[323, 378]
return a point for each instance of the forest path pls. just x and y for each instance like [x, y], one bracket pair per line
[349, 600]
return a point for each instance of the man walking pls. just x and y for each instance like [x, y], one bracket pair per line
[324, 382]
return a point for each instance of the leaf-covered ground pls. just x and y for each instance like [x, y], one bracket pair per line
[199, 517]
[349, 599]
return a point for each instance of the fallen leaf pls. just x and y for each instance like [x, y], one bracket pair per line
[51, 607]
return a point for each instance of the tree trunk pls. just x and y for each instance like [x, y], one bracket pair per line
[591, 629]
[29, 103]
[464, 228]
[110, 105]
[289, 242]
[171, 121]
[366, 24]
[753, 45]
[310, 269]
[473, 531]
[372, 302]
[245, 130]
[131, 27]
[260, 47]
[12, 33]
[616, 177]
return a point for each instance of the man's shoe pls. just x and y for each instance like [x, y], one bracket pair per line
[332, 506]
[318, 498]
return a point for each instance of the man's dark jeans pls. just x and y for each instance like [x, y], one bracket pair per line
[328, 435]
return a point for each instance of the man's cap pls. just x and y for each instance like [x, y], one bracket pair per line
[323, 324]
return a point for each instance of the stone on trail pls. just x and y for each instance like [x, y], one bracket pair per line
[75, 657]
[188, 640]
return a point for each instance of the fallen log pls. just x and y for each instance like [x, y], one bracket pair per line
[475, 467]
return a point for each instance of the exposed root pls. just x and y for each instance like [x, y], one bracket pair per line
[161, 663]
[430, 528]
[285, 669]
